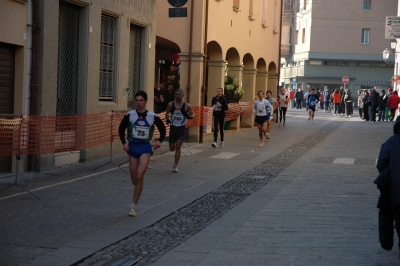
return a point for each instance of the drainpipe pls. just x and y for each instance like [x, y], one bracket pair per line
[29, 60]
[280, 54]
[34, 89]
[203, 88]
[189, 85]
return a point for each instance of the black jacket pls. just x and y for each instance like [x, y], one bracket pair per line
[224, 105]
[299, 95]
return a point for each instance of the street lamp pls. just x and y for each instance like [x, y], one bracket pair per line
[386, 52]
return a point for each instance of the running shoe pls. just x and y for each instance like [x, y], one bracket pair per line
[222, 144]
[309, 117]
[214, 144]
[261, 144]
[280, 124]
[175, 168]
[284, 124]
[132, 212]
[267, 136]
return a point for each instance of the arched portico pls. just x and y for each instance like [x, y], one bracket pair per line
[262, 76]
[273, 78]
[215, 71]
[249, 84]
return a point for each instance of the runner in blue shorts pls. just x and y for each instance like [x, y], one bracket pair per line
[139, 125]
[312, 101]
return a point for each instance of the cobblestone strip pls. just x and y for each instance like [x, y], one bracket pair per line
[152, 242]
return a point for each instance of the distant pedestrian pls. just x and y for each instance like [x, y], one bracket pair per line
[383, 99]
[291, 98]
[342, 103]
[327, 99]
[388, 183]
[360, 103]
[374, 104]
[348, 99]
[393, 104]
[299, 98]
[390, 92]
[366, 104]
[336, 101]
[220, 105]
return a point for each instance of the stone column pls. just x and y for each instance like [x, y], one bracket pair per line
[236, 70]
[249, 86]
[216, 75]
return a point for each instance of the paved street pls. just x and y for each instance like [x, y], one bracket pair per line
[304, 198]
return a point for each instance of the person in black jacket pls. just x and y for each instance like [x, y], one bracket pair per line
[383, 99]
[367, 102]
[220, 106]
[299, 98]
[374, 104]
[388, 183]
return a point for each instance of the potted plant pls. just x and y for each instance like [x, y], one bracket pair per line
[233, 93]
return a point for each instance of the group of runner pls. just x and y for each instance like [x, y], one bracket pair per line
[137, 127]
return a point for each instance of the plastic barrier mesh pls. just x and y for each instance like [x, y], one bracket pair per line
[50, 134]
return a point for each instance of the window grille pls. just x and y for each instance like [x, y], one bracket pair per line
[107, 51]
[135, 52]
[68, 53]
[365, 36]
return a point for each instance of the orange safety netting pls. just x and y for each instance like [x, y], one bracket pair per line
[50, 134]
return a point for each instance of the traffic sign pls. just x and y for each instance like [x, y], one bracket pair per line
[345, 80]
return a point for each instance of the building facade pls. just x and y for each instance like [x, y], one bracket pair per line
[323, 41]
[74, 57]
[232, 37]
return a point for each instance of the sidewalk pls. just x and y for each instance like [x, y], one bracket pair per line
[309, 212]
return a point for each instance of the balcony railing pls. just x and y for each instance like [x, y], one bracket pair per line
[294, 71]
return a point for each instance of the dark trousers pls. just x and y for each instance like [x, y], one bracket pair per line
[373, 113]
[299, 102]
[386, 220]
[327, 106]
[337, 108]
[392, 113]
[381, 114]
[366, 113]
[219, 122]
[360, 111]
[349, 107]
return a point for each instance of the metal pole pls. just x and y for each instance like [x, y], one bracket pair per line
[203, 88]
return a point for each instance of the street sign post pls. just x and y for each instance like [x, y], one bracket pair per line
[345, 80]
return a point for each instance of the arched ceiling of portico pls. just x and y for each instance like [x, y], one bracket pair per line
[272, 68]
[248, 61]
[167, 45]
[261, 65]
[214, 51]
[232, 56]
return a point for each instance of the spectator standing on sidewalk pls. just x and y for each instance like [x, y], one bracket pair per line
[220, 105]
[140, 126]
[342, 103]
[321, 99]
[348, 99]
[383, 99]
[388, 182]
[299, 98]
[327, 98]
[291, 98]
[390, 92]
[374, 104]
[367, 103]
[360, 103]
[336, 101]
[393, 104]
